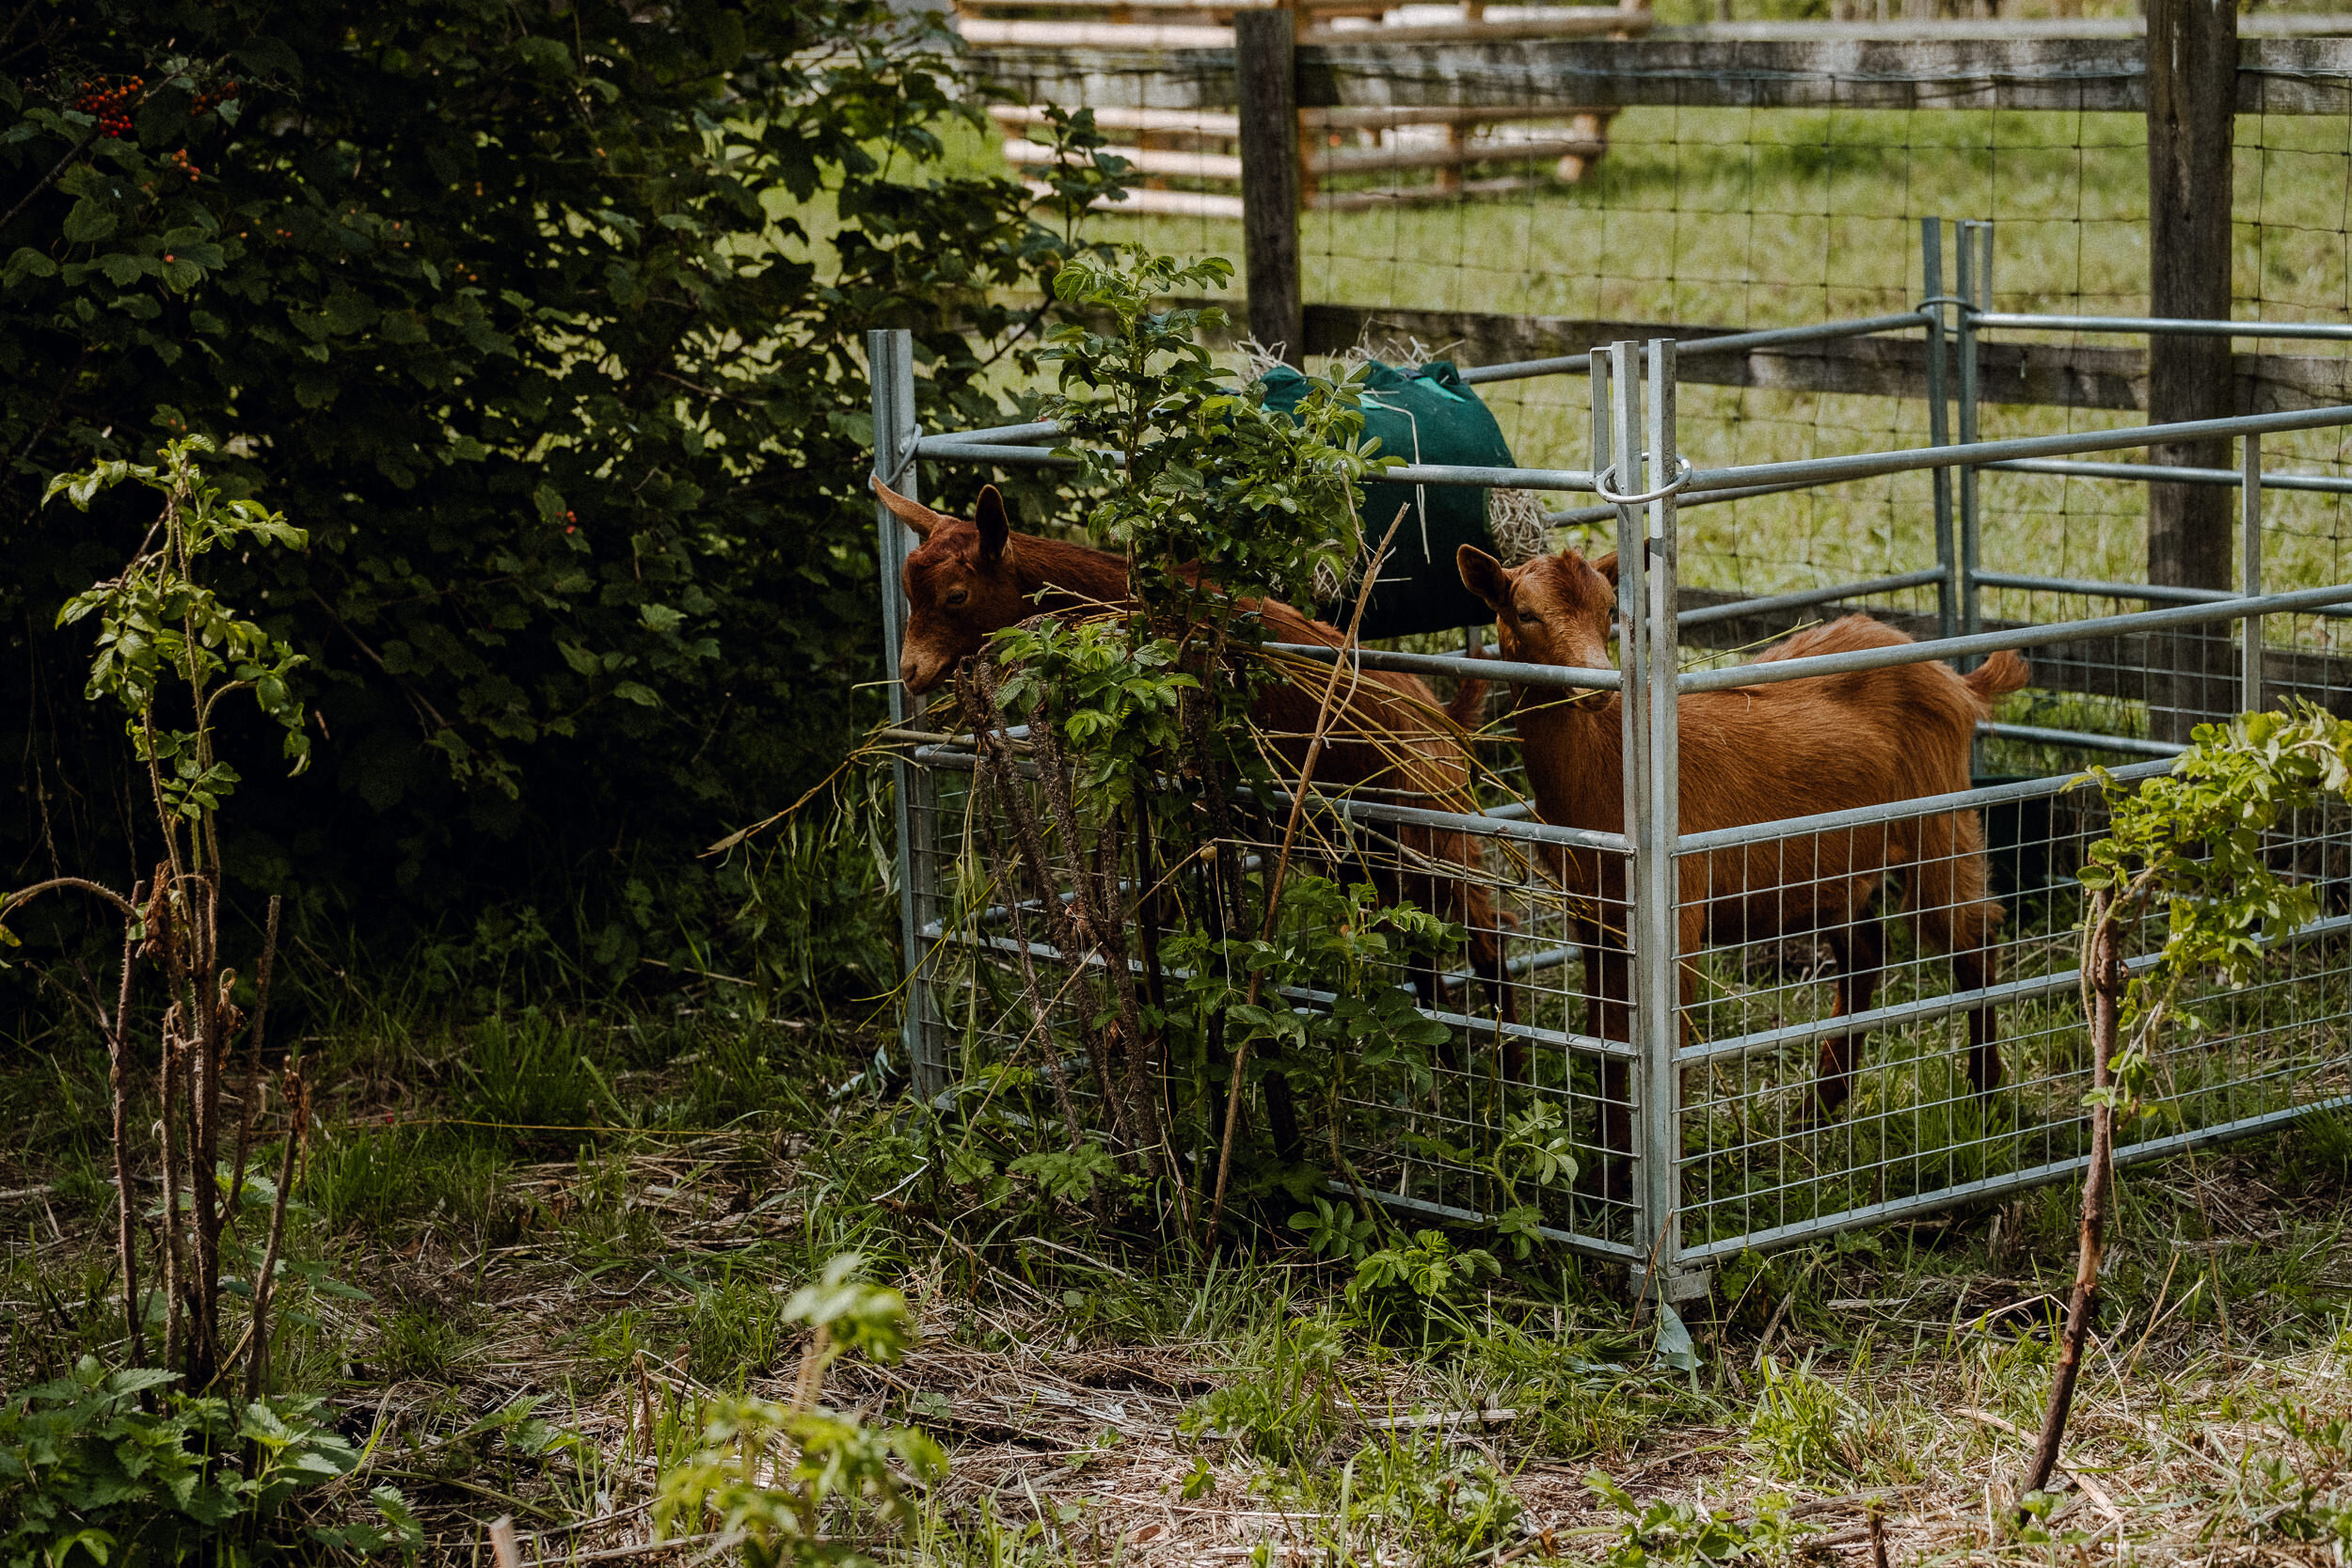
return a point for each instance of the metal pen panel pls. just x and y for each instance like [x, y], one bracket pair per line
[2249, 513]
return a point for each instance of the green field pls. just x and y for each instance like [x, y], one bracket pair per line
[1760, 219]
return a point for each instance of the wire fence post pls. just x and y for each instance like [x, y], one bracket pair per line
[1939, 422]
[890, 363]
[2250, 515]
[1265, 66]
[1618, 1093]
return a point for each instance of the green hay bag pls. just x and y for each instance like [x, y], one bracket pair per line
[1428, 416]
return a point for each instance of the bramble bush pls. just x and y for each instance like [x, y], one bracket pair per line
[547, 318]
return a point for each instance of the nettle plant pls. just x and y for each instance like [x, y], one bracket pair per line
[1125, 788]
[795, 1480]
[173, 1461]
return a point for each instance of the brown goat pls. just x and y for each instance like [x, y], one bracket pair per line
[971, 578]
[1758, 755]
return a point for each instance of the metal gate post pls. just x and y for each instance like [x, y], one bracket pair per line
[1975, 292]
[1939, 422]
[2250, 522]
[1645, 426]
[890, 364]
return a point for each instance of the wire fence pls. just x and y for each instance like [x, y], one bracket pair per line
[1796, 968]
[1782, 1009]
[1748, 185]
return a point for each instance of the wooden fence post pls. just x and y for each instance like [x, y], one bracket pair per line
[2192, 98]
[1266, 45]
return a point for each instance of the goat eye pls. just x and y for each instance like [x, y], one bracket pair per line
[1527, 617]
[956, 595]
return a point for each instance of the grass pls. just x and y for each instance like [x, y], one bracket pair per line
[1759, 219]
[529, 1320]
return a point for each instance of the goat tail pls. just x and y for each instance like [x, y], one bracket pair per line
[1998, 676]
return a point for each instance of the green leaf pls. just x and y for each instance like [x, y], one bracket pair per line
[1674, 1347]
[89, 220]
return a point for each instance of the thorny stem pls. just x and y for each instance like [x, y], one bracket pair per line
[1340, 666]
[174, 1266]
[1016, 912]
[297, 1102]
[980, 710]
[119, 1081]
[248, 1096]
[129, 908]
[1094, 880]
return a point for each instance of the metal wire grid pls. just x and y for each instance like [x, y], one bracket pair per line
[1760, 1163]
[1757, 1162]
[1754, 217]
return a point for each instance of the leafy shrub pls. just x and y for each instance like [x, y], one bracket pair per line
[1661, 1532]
[1456, 1506]
[554, 329]
[89, 1477]
[1282, 1406]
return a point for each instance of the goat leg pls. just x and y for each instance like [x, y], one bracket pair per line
[1860, 950]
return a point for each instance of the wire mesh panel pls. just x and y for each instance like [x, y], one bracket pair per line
[1852, 989]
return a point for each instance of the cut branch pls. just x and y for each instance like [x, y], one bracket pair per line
[2106, 980]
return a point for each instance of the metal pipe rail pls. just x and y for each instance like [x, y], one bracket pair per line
[2156, 474]
[1506, 822]
[1923, 1010]
[2087, 741]
[2182, 326]
[2030, 637]
[1870, 465]
[1302, 998]
[1993, 1186]
[1453, 1213]
[1726, 343]
[1576, 514]
[1804, 598]
[1460, 664]
[2096, 588]
[1874, 816]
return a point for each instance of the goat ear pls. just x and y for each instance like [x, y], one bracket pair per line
[1607, 566]
[1482, 575]
[995, 526]
[921, 518]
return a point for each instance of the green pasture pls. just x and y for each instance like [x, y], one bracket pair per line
[1760, 219]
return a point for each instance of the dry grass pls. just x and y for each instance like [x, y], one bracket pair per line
[533, 1299]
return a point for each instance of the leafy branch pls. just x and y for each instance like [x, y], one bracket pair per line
[2192, 841]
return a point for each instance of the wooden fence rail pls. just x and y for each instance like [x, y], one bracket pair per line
[2276, 75]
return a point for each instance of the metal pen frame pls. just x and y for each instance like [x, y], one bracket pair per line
[1633, 451]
